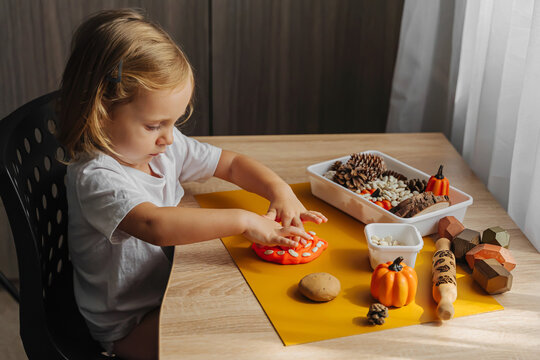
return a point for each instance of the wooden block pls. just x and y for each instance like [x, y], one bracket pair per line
[463, 242]
[449, 227]
[488, 251]
[492, 276]
[497, 236]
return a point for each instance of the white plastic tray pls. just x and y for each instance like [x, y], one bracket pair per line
[367, 212]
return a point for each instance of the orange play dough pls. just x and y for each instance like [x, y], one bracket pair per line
[288, 256]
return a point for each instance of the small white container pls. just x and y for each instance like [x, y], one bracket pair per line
[406, 235]
[368, 212]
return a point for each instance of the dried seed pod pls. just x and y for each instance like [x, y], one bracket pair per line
[413, 205]
[417, 185]
[395, 174]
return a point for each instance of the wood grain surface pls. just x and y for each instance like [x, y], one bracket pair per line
[209, 311]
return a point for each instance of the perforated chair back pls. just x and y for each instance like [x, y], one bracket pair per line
[32, 187]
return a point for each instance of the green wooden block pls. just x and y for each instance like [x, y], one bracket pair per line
[496, 236]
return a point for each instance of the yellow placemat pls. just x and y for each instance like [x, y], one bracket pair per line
[298, 320]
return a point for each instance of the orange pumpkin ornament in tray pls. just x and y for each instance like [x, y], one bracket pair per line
[290, 256]
[438, 184]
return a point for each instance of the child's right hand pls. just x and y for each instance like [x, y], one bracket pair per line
[262, 230]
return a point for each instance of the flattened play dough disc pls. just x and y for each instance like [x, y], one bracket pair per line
[288, 256]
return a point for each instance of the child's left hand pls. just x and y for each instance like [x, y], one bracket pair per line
[287, 209]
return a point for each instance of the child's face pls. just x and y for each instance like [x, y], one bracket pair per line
[143, 128]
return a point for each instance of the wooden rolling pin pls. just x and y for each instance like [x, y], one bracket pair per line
[443, 269]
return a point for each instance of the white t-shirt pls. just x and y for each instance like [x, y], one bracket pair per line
[117, 277]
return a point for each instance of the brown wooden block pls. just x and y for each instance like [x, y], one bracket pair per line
[449, 227]
[497, 236]
[463, 242]
[492, 276]
[488, 251]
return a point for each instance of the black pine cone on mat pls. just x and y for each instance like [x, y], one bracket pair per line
[377, 313]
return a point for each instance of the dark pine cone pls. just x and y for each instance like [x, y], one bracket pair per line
[358, 170]
[336, 165]
[377, 313]
[373, 164]
[394, 174]
[417, 185]
[353, 179]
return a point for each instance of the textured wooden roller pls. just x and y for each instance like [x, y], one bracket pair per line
[443, 269]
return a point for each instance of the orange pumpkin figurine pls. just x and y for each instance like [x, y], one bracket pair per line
[394, 283]
[438, 184]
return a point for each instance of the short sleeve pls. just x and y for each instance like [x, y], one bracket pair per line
[106, 196]
[195, 160]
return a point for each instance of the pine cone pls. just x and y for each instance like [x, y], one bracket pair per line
[377, 313]
[336, 165]
[374, 164]
[359, 170]
[352, 179]
[394, 174]
[417, 185]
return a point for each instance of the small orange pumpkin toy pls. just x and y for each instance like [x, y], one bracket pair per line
[394, 283]
[438, 184]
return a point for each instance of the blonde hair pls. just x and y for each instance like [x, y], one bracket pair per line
[92, 84]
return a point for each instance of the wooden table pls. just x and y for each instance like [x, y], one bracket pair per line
[209, 311]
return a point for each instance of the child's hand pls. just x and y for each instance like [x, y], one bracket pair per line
[264, 231]
[287, 209]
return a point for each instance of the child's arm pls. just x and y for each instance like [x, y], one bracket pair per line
[255, 177]
[165, 226]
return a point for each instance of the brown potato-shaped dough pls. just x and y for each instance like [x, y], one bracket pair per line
[320, 286]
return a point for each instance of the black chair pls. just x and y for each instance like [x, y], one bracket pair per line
[32, 187]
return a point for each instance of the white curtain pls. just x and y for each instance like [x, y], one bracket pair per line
[471, 69]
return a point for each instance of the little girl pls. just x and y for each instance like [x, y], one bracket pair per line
[125, 87]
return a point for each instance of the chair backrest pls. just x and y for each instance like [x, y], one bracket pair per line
[32, 187]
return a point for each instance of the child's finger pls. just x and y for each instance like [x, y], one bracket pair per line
[299, 240]
[324, 218]
[283, 241]
[297, 221]
[286, 221]
[295, 231]
[271, 214]
[313, 216]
